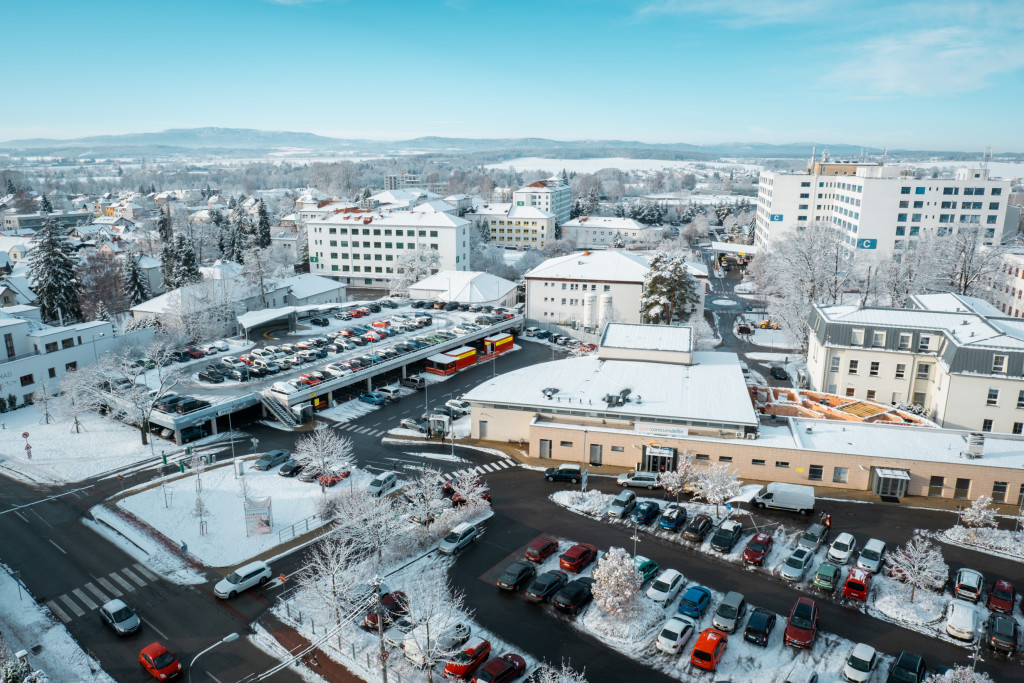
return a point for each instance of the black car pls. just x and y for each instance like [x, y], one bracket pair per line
[516, 575]
[908, 668]
[698, 528]
[418, 304]
[388, 303]
[546, 585]
[576, 595]
[373, 307]
[211, 377]
[778, 373]
[290, 468]
[238, 374]
[726, 536]
[568, 472]
[759, 627]
[319, 322]
[166, 403]
[190, 405]
[1001, 633]
[451, 306]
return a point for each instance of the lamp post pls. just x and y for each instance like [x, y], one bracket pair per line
[226, 639]
[636, 536]
[584, 458]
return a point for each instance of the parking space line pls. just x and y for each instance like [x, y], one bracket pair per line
[99, 594]
[61, 614]
[110, 587]
[71, 604]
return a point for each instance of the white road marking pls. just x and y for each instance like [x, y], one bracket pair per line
[58, 547]
[99, 594]
[207, 673]
[150, 624]
[141, 568]
[80, 594]
[128, 572]
[71, 603]
[127, 586]
[61, 614]
[40, 518]
[23, 517]
[110, 587]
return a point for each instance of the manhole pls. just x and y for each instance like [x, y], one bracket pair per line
[36, 649]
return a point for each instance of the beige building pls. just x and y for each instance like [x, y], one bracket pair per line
[515, 227]
[586, 288]
[646, 398]
[957, 357]
[599, 232]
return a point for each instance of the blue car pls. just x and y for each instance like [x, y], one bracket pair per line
[695, 601]
[674, 517]
[375, 399]
[645, 513]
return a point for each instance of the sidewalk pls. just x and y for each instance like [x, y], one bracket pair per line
[316, 661]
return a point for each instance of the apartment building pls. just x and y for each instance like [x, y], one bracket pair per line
[589, 288]
[551, 195]
[516, 227]
[957, 357]
[361, 246]
[599, 232]
[883, 209]
[405, 181]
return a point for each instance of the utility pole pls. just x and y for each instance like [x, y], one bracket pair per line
[380, 631]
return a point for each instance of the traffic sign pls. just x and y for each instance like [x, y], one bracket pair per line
[24, 435]
[384, 656]
[120, 477]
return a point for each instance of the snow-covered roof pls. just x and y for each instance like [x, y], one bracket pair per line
[148, 262]
[434, 206]
[522, 212]
[305, 285]
[712, 389]
[493, 209]
[465, 286]
[607, 223]
[648, 337]
[603, 266]
[221, 270]
[730, 248]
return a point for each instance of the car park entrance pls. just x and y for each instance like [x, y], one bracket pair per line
[889, 482]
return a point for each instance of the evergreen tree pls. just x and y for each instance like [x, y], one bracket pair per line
[186, 271]
[134, 283]
[152, 188]
[565, 178]
[11, 189]
[163, 226]
[244, 233]
[101, 312]
[168, 266]
[263, 227]
[232, 202]
[52, 271]
[45, 206]
[142, 189]
[670, 292]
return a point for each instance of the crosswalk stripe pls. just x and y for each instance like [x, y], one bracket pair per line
[71, 603]
[127, 586]
[110, 587]
[128, 572]
[141, 568]
[99, 594]
[58, 611]
[80, 594]
[489, 468]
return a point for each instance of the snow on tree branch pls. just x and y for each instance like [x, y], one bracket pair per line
[919, 563]
[617, 583]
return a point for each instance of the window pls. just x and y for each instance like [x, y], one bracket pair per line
[853, 367]
[71, 367]
[993, 397]
[999, 491]
[999, 364]
[834, 365]
[923, 343]
[26, 380]
[849, 391]
[924, 371]
[878, 339]
[815, 472]
[935, 486]
[858, 338]
[781, 463]
[963, 489]
[918, 190]
[901, 370]
[1018, 428]
[871, 395]
[617, 449]
[839, 475]
[874, 368]
[904, 190]
[53, 372]
[986, 425]
[951, 190]
[1020, 399]
[918, 205]
[9, 343]
[1020, 494]
[51, 347]
[919, 398]
[997, 190]
[725, 458]
[565, 444]
[760, 463]
[702, 456]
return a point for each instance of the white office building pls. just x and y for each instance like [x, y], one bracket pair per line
[551, 195]
[600, 232]
[586, 288]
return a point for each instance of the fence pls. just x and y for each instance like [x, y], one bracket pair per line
[301, 527]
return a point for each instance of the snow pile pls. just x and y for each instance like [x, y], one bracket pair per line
[630, 635]
[998, 541]
[592, 503]
[890, 601]
[347, 411]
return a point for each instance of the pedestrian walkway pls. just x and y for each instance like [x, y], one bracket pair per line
[357, 429]
[479, 471]
[90, 596]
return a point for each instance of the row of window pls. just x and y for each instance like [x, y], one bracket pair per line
[962, 489]
[573, 286]
[377, 232]
[923, 369]
[969, 191]
[524, 223]
[29, 379]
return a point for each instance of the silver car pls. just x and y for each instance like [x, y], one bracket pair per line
[120, 617]
[795, 566]
[730, 613]
[871, 556]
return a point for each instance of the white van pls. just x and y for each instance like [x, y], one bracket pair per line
[531, 331]
[391, 393]
[383, 483]
[283, 388]
[793, 497]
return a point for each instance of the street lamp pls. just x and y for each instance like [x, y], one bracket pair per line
[226, 639]
[636, 536]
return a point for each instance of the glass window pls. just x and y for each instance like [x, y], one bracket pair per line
[858, 337]
[963, 489]
[993, 397]
[703, 456]
[854, 364]
[924, 342]
[999, 491]
[781, 463]
[834, 364]
[874, 368]
[565, 444]
[815, 472]
[839, 475]
[924, 371]
[935, 486]
[986, 425]
[877, 339]
[760, 463]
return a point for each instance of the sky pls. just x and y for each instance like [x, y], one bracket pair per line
[904, 74]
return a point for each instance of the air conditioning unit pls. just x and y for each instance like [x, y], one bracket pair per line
[752, 436]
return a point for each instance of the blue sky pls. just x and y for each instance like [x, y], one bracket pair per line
[936, 74]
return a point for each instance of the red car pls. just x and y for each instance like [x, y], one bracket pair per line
[457, 498]
[372, 336]
[541, 548]
[160, 663]
[501, 669]
[309, 381]
[382, 334]
[359, 312]
[708, 650]
[247, 359]
[395, 604]
[304, 345]
[1001, 596]
[802, 625]
[346, 332]
[464, 663]
[757, 549]
[195, 352]
[576, 558]
[381, 323]
[332, 479]
[858, 584]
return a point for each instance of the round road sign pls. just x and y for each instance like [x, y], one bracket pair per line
[24, 435]
[384, 656]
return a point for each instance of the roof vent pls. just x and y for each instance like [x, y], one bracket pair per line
[975, 446]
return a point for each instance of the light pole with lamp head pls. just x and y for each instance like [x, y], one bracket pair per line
[226, 639]
[636, 536]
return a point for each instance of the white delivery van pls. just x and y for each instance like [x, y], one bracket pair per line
[793, 497]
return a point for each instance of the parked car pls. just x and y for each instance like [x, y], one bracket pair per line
[458, 538]
[968, 585]
[698, 528]
[758, 549]
[759, 627]
[1002, 633]
[159, 662]
[962, 620]
[414, 424]
[516, 575]
[709, 649]
[827, 577]
[666, 586]
[646, 567]
[860, 664]
[858, 584]
[726, 536]
[120, 617]
[310, 472]
[578, 557]
[190, 405]
[871, 556]
[647, 480]
[271, 459]
[575, 596]
[674, 634]
[373, 398]
[331, 478]
[243, 578]
[802, 625]
[907, 668]
[319, 322]
[778, 372]
[566, 472]
[795, 566]
[644, 513]
[546, 585]
[673, 518]
[474, 653]
[695, 601]
[541, 548]
[843, 548]
[382, 484]
[502, 669]
[392, 606]
[813, 537]
[290, 468]
[1001, 597]
[730, 612]
[622, 504]
[211, 377]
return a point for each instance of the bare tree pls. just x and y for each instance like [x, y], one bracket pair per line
[324, 449]
[439, 613]
[682, 477]
[133, 390]
[715, 484]
[79, 396]
[426, 498]
[413, 266]
[371, 522]
[960, 674]
[334, 569]
[471, 489]
[200, 511]
[980, 514]
[919, 563]
[566, 674]
[43, 398]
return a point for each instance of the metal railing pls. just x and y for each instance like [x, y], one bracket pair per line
[302, 526]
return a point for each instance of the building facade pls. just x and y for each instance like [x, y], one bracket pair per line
[551, 195]
[600, 232]
[586, 289]
[515, 227]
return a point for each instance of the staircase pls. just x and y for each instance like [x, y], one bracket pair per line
[283, 415]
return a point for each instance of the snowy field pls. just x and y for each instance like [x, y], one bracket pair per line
[171, 510]
[594, 165]
[1000, 542]
[25, 625]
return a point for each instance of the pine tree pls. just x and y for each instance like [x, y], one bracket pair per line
[186, 270]
[152, 188]
[134, 283]
[101, 312]
[142, 189]
[232, 202]
[45, 206]
[669, 291]
[565, 178]
[263, 227]
[163, 226]
[52, 271]
[168, 266]
[11, 189]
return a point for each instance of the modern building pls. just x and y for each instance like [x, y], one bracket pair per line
[405, 181]
[306, 289]
[586, 289]
[515, 227]
[958, 358]
[360, 246]
[877, 208]
[646, 397]
[600, 232]
[551, 195]
[465, 287]
[26, 223]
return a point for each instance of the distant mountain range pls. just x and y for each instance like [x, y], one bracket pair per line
[249, 142]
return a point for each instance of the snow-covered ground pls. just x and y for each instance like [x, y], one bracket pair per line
[26, 625]
[1000, 542]
[777, 339]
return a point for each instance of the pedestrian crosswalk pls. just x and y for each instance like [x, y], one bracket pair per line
[88, 597]
[480, 470]
[356, 429]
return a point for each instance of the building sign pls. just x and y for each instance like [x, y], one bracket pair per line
[259, 518]
[775, 217]
[867, 244]
[520, 203]
[661, 430]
